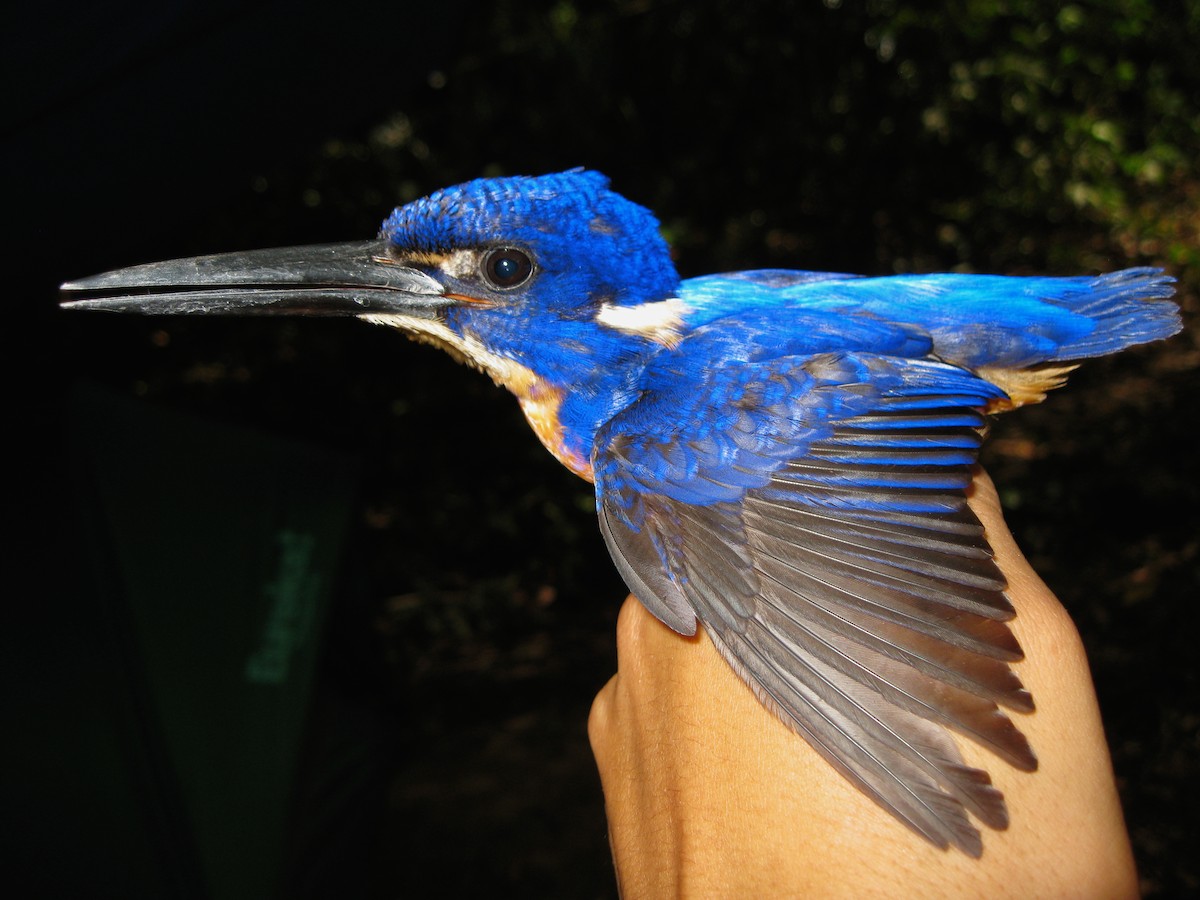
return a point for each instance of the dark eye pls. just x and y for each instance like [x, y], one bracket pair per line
[507, 267]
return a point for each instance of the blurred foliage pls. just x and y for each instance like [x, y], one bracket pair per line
[885, 136]
[881, 136]
[1081, 116]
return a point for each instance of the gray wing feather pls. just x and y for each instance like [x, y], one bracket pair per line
[858, 597]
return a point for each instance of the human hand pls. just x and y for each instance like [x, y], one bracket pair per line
[709, 795]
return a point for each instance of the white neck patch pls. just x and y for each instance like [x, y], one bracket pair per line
[660, 321]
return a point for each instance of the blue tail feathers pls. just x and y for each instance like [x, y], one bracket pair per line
[1126, 308]
[1007, 321]
[1014, 322]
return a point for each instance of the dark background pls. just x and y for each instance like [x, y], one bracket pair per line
[473, 619]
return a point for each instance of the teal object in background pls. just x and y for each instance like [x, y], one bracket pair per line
[216, 550]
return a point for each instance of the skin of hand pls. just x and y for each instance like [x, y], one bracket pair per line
[709, 795]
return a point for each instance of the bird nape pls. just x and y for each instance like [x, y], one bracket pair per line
[780, 456]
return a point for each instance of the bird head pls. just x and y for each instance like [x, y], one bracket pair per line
[570, 241]
[547, 272]
[554, 285]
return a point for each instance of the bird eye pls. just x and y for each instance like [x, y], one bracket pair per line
[507, 267]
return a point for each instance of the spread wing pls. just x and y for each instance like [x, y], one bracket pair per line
[810, 511]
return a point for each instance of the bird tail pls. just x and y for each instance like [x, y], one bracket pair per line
[1126, 308]
[1118, 310]
[1002, 321]
[1018, 322]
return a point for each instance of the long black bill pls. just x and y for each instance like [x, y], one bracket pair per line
[324, 280]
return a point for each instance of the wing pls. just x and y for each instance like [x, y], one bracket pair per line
[812, 514]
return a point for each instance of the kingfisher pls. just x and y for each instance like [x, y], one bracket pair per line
[779, 456]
